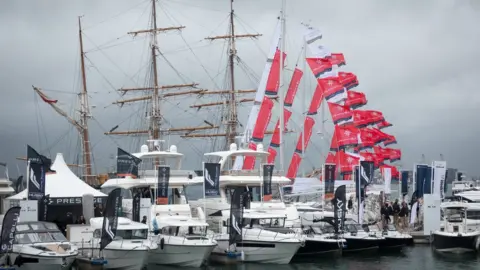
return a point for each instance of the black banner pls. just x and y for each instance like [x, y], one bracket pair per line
[366, 172]
[39, 166]
[127, 164]
[339, 208]
[211, 179]
[236, 215]
[358, 186]
[267, 181]
[7, 236]
[329, 179]
[162, 184]
[110, 217]
[428, 185]
[136, 207]
[421, 178]
[43, 208]
[404, 182]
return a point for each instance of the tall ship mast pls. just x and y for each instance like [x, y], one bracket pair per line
[155, 93]
[84, 115]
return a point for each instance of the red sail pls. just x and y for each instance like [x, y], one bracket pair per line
[308, 127]
[264, 115]
[390, 140]
[274, 76]
[383, 124]
[332, 89]
[395, 154]
[331, 158]
[375, 116]
[337, 59]
[355, 100]
[272, 156]
[378, 160]
[293, 167]
[346, 136]
[316, 100]
[319, 66]
[348, 79]
[341, 115]
[334, 144]
[276, 132]
[367, 137]
[381, 136]
[293, 87]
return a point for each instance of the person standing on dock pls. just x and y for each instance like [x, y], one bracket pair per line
[144, 220]
[156, 231]
[403, 216]
[396, 211]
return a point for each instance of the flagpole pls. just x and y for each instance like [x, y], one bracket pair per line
[28, 176]
[324, 191]
[359, 198]
[261, 182]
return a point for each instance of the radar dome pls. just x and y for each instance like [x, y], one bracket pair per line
[260, 147]
[144, 149]
[173, 149]
[233, 147]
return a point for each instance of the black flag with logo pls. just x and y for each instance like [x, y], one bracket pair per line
[9, 226]
[404, 182]
[359, 187]
[366, 172]
[267, 181]
[136, 207]
[236, 215]
[162, 184]
[43, 208]
[339, 208]
[39, 166]
[211, 179]
[110, 217]
[127, 164]
[329, 179]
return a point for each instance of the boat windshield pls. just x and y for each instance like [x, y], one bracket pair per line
[38, 232]
[255, 192]
[454, 215]
[327, 228]
[353, 227]
[39, 237]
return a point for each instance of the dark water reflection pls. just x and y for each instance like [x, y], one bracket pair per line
[414, 258]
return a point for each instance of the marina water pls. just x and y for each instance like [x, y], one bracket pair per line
[420, 257]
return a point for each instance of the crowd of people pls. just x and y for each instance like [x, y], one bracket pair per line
[399, 212]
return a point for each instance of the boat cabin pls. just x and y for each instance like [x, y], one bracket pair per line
[126, 230]
[38, 232]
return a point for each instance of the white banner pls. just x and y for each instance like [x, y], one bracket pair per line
[413, 214]
[438, 175]
[387, 178]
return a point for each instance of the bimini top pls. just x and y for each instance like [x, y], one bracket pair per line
[123, 224]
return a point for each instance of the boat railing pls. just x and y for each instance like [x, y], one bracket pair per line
[277, 236]
[169, 239]
[153, 173]
[255, 172]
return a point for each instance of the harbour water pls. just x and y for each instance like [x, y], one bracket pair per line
[412, 258]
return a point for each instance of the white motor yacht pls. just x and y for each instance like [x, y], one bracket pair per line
[264, 238]
[128, 250]
[41, 245]
[182, 240]
[180, 234]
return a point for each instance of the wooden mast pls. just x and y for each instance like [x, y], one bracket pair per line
[85, 115]
[156, 115]
[232, 104]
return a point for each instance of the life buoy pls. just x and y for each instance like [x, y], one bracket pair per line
[162, 243]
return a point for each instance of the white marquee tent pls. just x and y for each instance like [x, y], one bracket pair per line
[64, 187]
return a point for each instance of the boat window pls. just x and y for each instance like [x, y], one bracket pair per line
[23, 227]
[131, 234]
[454, 214]
[39, 237]
[169, 230]
[473, 214]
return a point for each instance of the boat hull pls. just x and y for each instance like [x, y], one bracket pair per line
[392, 242]
[33, 262]
[180, 255]
[260, 251]
[319, 247]
[121, 259]
[355, 244]
[454, 243]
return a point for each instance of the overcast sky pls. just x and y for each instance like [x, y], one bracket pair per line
[417, 62]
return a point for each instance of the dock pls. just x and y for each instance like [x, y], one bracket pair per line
[420, 238]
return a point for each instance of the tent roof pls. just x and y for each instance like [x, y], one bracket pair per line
[63, 183]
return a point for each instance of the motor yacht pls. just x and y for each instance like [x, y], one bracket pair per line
[128, 250]
[41, 245]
